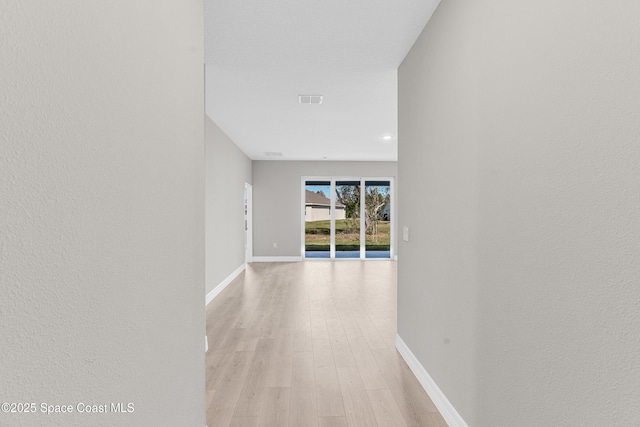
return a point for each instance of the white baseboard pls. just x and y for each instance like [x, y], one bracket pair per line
[215, 291]
[277, 259]
[448, 412]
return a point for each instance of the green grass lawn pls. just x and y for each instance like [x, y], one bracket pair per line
[318, 236]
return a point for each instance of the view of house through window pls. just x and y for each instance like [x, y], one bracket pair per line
[317, 219]
[347, 218]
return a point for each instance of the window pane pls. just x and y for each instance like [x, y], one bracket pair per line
[317, 219]
[377, 219]
[347, 219]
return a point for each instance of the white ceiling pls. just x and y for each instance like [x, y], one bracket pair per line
[260, 55]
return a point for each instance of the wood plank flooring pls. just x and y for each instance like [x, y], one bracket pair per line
[311, 345]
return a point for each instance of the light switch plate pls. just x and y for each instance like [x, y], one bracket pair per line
[405, 234]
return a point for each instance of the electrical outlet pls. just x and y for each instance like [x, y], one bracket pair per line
[275, 245]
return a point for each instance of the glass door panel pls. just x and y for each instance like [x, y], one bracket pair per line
[347, 219]
[317, 219]
[377, 219]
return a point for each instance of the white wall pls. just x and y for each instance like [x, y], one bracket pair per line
[519, 129]
[102, 210]
[277, 204]
[318, 213]
[322, 213]
[227, 171]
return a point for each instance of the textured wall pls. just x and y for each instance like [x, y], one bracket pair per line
[227, 171]
[277, 204]
[519, 177]
[102, 210]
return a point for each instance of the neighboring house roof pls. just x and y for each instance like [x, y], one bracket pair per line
[312, 198]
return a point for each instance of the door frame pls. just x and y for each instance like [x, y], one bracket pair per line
[248, 232]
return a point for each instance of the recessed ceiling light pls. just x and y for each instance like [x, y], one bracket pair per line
[387, 137]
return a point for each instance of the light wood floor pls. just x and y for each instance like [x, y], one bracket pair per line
[311, 344]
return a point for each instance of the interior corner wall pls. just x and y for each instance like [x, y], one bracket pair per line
[228, 169]
[519, 178]
[102, 212]
[277, 203]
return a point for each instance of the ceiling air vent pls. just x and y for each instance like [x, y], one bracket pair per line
[310, 99]
[273, 153]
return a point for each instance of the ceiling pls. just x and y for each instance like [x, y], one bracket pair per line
[260, 55]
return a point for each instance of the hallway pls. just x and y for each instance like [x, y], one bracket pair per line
[311, 344]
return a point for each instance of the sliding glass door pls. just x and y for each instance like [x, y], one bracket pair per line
[347, 218]
[377, 207]
[317, 219]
